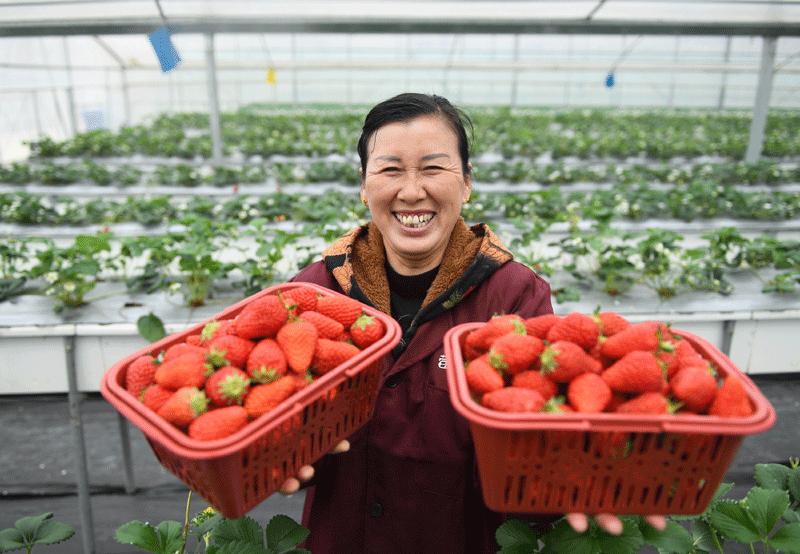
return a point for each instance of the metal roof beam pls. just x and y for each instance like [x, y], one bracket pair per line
[135, 26]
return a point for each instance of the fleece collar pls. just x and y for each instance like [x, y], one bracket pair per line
[357, 259]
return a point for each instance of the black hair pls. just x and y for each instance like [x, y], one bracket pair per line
[410, 105]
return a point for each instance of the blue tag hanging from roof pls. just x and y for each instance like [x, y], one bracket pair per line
[610, 80]
[167, 55]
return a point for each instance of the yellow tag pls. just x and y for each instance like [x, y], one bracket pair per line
[271, 76]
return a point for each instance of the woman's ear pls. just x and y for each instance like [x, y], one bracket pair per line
[467, 185]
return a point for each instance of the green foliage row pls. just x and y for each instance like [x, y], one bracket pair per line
[586, 133]
[698, 200]
[519, 171]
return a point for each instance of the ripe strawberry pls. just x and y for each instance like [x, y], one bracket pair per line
[327, 327]
[265, 397]
[183, 406]
[636, 372]
[341, 308]
[481, 338]
[330, 354]
[557, 405]
[366, 330]
[184, 371]
[155, 395]
[218, 423]
[179, 349]
[140, 374]
[647, 335]
[731, 399]
[217, 328]
[695, 386]
[589, 393]
[261, 318]
[611, 323]
[513, 353]
[301, 380]
[298, 340]
[513, 399]
[534, 380]
[562, 361]
[304, 299]
[266, 361]
[227, 386]
[575, 327]
[646, 403]
[482, 377]
[194, 340]
[235, 350]
[539, 325]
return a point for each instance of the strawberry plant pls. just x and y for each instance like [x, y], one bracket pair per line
[216, 535]
[70, 272]
[31, 531]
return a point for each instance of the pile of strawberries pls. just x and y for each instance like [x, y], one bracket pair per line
[592, 364]
[236, 370]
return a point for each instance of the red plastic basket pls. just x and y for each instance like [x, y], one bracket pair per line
[603, 463]
[238, 472]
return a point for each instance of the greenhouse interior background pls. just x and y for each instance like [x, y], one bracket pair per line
[161, 160]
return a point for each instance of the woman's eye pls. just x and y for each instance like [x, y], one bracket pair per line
[391, 169]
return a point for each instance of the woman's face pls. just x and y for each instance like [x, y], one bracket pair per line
[414, 187]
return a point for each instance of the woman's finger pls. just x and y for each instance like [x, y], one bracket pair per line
[658, 522]
[609, 523]
[578, 522]
[343, 446]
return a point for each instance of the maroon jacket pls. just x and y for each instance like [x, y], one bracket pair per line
[409, 482]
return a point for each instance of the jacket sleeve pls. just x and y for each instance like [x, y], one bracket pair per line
[515, 288]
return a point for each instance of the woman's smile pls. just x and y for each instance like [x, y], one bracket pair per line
[414, 220]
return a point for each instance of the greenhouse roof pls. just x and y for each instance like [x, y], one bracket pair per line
[19, 18]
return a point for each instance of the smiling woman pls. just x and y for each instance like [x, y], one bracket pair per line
[406, 482]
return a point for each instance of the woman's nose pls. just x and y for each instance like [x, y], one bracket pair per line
[412, 188]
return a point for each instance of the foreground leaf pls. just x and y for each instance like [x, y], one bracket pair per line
[787, 539]
[674, 538]
[767, 507]
[515, 533]
[283, 533]
[243, 529]
[733, 521]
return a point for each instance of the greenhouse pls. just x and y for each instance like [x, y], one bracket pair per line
[163, 161]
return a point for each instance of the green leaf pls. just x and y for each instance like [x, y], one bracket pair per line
[284, 533]
[171, 535]
[703, 536]
[140, 535]
[771, 476]
[244, 547]
[673, 539]
[11, 539]
[53, 532]
[151, 327]
[29, 525]
[733, 521]
[767, 507]
[563, 539]
[243, 529]
[628, 542]
[787, 539]
[515, 532]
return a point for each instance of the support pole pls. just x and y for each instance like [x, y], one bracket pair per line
[761, 107]
[515, 74]
[723, 88]
[70, 90]
[213, 100]
[81, 467]
[125, 443]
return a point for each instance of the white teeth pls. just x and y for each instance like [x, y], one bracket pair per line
[414, 220]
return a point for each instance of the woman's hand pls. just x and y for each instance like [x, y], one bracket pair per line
[610, 523]
[306, 473]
